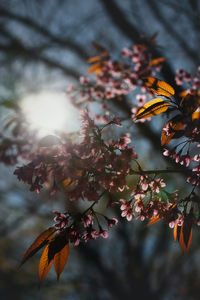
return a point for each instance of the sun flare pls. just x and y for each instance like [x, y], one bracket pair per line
[48, 112]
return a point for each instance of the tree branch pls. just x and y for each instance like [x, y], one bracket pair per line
[45, 32]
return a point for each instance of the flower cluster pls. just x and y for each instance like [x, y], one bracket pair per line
[187, 125]
[93, 168]
[146, 200]
[83, 227]
[84, 170]
[115, 79]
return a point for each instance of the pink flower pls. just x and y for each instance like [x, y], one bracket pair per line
[127, 210]
[75, 237]
[196, 157]
[166, 152]
[157, 184]
[126, 52]
[141, 99]
[111, 222]
[103, 233]
[87, 220]
[61, 221]
[84, 80]
[90, 234]
[138, 193]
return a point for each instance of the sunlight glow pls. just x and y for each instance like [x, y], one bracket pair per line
[49, 112]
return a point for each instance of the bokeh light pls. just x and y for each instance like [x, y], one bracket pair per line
[48, 112]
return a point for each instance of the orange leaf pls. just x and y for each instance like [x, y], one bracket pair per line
[165, 139]
[60, 260]
[40, 242]
[189, 240]
[187, 232]
[152, 108]
[100, 49]
[157, 61]
[175, 232]
[68, 184]
[98, 61]
[175, 126]
[186, 92]
[153, 220]
[44, 265]
[95, 68]
[189, 103]
[181, 240]
[158, 86]
[94, 59]
[56, 245]
[196, 115]
[183, 93]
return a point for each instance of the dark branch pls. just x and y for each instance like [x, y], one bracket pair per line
[45, 32]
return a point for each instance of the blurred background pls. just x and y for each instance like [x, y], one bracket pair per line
[44, 47]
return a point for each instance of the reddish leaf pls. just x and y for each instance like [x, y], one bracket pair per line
[60, 260]
[44, 264]
[40, 242]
